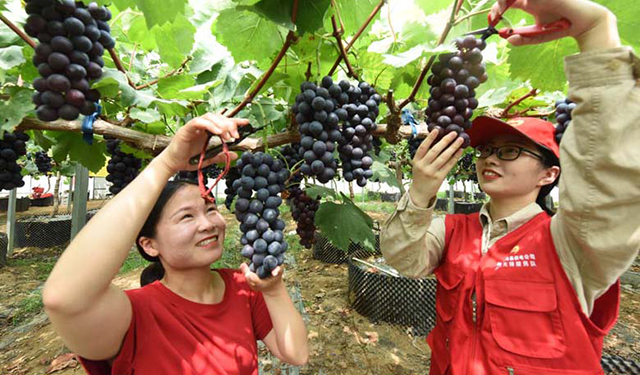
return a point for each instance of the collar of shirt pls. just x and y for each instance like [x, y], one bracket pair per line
[494, 230]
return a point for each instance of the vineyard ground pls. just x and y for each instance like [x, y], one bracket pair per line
[341, 340]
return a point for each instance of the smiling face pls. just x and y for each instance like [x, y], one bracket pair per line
[521, 177]
[189, 233]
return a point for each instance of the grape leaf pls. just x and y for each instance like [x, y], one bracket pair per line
[247, 35]
[175, 40]
[317, 191]
[310, 15]
[382, 173]
[345, 223]
[12, 111]
[10, 57]
[353, 14]
[159, 14]
[72, 145]
[542, 64]
[147, 116]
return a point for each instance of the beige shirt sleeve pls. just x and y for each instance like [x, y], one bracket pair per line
[597, 228]
[412, 240]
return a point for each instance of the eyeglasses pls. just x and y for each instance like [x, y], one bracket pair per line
[506, 153]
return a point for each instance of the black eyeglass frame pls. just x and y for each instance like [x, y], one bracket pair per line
[498, 152]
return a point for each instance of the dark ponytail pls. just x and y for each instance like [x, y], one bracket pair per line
[155, 271]
[550, 160]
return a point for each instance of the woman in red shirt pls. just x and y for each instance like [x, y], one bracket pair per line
[192, 320]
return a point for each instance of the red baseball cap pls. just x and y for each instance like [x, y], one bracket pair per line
[539, 131]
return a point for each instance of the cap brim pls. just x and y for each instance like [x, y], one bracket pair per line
[486, 128]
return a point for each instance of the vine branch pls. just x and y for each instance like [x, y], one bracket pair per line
[454, 11]
[469, 15]
[17, 30]
[252, 94]
[338, 35]
[531, 93]
[357, 35]
[118, 63]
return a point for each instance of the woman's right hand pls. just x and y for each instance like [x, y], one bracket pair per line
[190, 139]
[432, 164]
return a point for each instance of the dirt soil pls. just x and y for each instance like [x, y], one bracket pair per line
[341, 340]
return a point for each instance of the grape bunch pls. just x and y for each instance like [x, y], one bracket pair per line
[414, 143]
[210, 172]
[72, 39]
[262, 180]
[43, 162]
[231, 177]
[303, 211]
[467, 167]
[12, 147]
[564, 108]
[356, 141]
[122, 167]
[453, 81]
[291, 154]
[318, 115]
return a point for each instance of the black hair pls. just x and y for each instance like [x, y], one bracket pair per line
[549, 160]
[155, 271]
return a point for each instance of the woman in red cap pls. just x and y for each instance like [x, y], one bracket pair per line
[521, 290]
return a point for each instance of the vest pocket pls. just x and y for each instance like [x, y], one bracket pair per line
[449, 278]
[530, 370]
[524, 317]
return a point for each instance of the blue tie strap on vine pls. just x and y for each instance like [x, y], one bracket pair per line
[408, 119]
[87, 125]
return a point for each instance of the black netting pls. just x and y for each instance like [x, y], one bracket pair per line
[614, 364]
[44, 231]
[325, 251]
[392, 299]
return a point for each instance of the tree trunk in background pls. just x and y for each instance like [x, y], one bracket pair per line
[351, 194]
[56, 195]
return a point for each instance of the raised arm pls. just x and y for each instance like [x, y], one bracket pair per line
[596, 231]
[90, 314]
[411, 241]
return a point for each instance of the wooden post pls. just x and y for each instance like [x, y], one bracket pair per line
[80, 188]
[11, 221]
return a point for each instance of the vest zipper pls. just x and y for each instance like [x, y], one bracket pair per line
[511, 372]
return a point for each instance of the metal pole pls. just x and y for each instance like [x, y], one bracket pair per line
[81, 186]
[70, 194]
[11, 221]
[451, 202]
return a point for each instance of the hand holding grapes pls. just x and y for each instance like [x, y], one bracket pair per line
[265, 285]
[592, 25]
[190, 139]
[432, 164]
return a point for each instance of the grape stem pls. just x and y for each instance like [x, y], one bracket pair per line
[291, 37]
[17, 30]
[531, 93]
[357, 35]
[469, 15]
[171, 73]
[454, 11]
[337, 33]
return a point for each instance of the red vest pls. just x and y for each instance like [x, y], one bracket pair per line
[513, 310]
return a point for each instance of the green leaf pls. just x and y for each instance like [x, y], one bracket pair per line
[10, 57]
[316, 191]
[175, 40]
[345, 223]
[160, 13]
[310, 15]
[170, 86]
[542, 64]
[277, 11]
[248, 35]
[147, 116]
[114, 82]
[72, 145]
[354, 13]
[434, 6]
[382, 173]
[12, 111]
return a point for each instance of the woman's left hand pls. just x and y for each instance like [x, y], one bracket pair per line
[266, 286]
